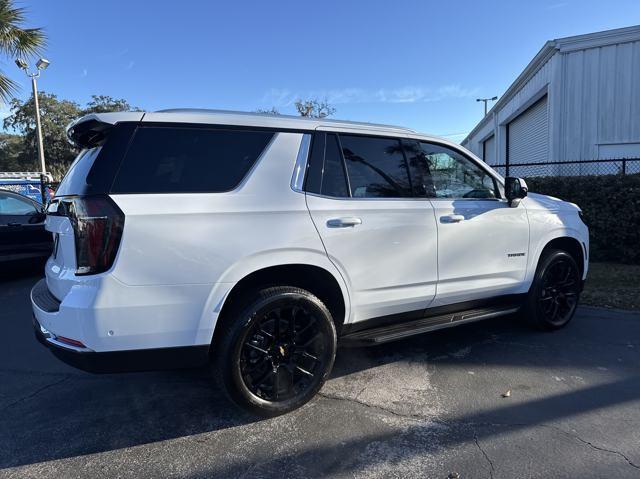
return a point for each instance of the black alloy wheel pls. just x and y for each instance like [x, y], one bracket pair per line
[555, 292]
[283, 352]
[277, 353]
[558, 296]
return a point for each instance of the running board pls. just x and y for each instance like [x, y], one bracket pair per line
[393, 332]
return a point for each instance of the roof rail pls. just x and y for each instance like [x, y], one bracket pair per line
[284, 117]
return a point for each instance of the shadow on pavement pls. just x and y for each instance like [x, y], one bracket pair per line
[61, 415]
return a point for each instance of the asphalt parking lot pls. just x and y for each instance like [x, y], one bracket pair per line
[425, 407]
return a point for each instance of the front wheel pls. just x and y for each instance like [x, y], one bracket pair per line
[553, 297]
[275, 354]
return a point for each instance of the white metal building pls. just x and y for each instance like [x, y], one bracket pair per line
[578, 99]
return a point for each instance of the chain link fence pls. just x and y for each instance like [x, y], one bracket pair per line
[621, 166]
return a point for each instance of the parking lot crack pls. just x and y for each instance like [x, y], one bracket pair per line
[415, 417]
[593, 446]
[35, 393]
[487, 458]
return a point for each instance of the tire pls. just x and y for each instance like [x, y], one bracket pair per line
[553, 297]
[269, 371]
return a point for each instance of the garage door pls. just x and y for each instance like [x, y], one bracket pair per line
[529, 135]
[489, 150]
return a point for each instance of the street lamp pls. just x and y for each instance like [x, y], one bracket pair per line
[41, 65]
[486, 100]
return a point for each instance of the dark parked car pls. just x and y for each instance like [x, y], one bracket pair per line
[22, 233]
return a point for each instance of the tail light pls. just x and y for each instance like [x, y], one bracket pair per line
[97, 225]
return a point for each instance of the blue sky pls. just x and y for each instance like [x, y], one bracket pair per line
[420, 64]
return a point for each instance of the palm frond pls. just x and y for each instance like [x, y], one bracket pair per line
[14, 39]
[8, 88]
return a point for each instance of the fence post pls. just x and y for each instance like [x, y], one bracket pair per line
[43, 193]
[624, 166]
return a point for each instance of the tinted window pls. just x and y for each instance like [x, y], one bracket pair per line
[94, 169]
[334, 181]
[456, 176]
[313, 180]
[376, 167]
[10, 205]
[74, 182]
[420, 169]
[188, 160]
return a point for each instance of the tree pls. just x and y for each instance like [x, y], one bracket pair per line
[270, 111]
[314, 108]
[19, 152]
[10, 149]
[55, 116]
[105, 103]
[16, 41]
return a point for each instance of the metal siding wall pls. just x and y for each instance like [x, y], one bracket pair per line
[529, 135]
[541, 78]
[601, 100]
[490, 150]
[596, 99]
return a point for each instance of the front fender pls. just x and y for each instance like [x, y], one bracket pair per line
[543, 240]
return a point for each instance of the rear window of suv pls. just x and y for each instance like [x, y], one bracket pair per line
[188, 160]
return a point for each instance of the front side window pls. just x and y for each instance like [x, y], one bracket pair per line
[454, 175]
[188, 160]
[10, 205]
[376, 167]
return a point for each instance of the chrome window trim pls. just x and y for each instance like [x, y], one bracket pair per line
[297, 180]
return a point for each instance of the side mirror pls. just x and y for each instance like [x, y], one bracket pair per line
[515, 189]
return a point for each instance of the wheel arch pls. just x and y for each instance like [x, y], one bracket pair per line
[313, 278]
[568, 243]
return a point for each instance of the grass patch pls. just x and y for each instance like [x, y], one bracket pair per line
[611, 285]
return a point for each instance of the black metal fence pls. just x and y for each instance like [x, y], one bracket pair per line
[619, 166]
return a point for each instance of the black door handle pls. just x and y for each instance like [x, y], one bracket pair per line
[14, 224]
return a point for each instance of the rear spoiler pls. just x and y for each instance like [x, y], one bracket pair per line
[91, 130]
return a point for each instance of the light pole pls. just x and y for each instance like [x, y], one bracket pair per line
[41, 64]
[486, 100]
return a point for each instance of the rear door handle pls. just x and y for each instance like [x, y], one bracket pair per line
[344, 222]
[452, 218]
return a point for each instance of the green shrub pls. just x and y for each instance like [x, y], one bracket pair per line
[611, 209]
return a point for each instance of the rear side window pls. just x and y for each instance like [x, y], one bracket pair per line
[334, 181]
[376, 167]
[188, 160]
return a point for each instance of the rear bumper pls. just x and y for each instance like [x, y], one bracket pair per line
[122, 361]
[50, 314]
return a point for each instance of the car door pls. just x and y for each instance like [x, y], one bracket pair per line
[483, 243]
[381, 238]
[22, 232]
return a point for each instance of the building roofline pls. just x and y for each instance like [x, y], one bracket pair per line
[564, 44]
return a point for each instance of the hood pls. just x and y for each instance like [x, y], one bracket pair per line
[550, 203]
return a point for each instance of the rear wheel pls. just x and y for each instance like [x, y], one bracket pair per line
[275, 354]
[554, 294]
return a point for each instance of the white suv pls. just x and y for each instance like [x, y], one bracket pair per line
[257, 243]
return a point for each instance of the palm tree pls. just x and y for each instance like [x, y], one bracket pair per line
[16, 41]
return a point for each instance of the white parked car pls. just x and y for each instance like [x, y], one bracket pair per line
[258, 243]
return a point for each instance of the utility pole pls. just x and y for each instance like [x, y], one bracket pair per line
[486, 100]
[41, 64]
